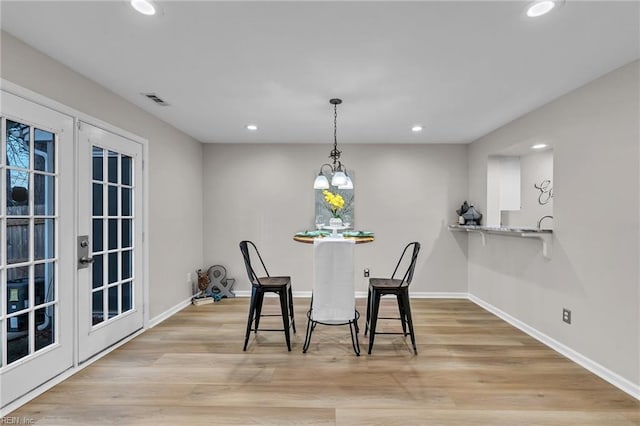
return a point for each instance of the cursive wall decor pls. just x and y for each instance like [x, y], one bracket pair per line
[546, 191]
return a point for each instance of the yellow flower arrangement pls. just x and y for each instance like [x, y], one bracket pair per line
[335, 202]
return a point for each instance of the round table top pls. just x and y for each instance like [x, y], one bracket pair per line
[309, 240]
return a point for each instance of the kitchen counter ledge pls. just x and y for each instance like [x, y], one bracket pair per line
[544, 235]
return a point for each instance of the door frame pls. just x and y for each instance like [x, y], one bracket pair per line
[78, 116]
[94, 337]
[35, 366]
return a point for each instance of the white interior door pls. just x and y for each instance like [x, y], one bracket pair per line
[36, 250]
[110, 288]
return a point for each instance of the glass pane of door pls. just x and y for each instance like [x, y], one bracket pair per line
[29, 177]
[113, 239]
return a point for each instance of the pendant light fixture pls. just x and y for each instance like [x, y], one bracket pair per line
[339, 176]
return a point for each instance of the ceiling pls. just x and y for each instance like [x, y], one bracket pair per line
[461, 69]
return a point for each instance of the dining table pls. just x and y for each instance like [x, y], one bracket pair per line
[359, 237]
[333, 297]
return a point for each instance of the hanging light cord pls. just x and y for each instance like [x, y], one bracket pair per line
[335, 153]
[340, 178]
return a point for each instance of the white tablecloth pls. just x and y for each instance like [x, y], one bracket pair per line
[333, 287]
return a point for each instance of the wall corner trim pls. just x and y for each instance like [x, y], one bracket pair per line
[597, 369]
[169, 312]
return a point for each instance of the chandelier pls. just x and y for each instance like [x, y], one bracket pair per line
[339, 176]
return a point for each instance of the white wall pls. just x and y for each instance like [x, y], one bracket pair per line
[175, 166]
[594, 270]
[503, 188]
[265, 193]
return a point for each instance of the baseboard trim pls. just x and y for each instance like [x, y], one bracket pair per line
[438, 295]
[362, 294]
[169, 312]
[247, 293]
[597, 369]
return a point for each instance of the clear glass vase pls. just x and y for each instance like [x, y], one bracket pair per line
[335, 221]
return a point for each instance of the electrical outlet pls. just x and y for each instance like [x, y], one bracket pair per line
[566, 315]
[366, 272]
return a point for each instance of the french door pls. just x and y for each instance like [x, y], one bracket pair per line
[110, 261]
[36, 255]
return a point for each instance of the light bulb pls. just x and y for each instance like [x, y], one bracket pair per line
[339, 178]
[321, 182]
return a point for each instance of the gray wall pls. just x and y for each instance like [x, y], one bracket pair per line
[594, 270]
[175, 166]
[265, 193]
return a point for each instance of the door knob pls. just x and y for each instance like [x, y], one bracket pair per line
[86, 260]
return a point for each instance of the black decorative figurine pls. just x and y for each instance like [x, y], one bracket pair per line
[472, 216]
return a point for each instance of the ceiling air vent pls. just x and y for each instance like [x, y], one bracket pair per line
[155, 99]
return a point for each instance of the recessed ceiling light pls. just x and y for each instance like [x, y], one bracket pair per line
[143, 6]
[416, 128]
[251, 127]
[540, 8]
[539, 146]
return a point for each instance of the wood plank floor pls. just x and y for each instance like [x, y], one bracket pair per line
[472, 369]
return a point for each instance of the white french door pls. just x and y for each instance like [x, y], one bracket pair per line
[110, 274]
[36, 254]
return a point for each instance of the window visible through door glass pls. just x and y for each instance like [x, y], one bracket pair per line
[18, 148]
[44, 146]
[113, 167]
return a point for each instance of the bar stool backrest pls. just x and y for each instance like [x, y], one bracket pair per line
[251, 273]
[408, 275]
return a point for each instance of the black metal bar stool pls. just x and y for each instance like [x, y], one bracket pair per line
[379, 287]
[267, 284]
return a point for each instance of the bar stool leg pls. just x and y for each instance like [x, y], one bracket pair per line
[252, 308]
[407, 308]
[293, 320]
[403, 317]
[375, 304]
[366, 325]
[258, 305]
[285, 316]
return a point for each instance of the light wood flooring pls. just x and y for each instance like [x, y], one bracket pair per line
[472, 369]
